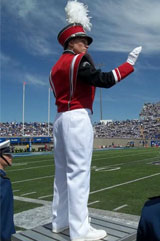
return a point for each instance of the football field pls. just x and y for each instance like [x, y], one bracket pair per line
[121, 180]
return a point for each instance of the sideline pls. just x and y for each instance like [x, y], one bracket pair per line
[23, 154]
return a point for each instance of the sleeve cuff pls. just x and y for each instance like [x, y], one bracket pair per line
[122, 71]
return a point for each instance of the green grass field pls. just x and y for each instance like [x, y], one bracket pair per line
[121, 180]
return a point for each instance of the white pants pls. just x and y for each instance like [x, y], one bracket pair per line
[73, 143]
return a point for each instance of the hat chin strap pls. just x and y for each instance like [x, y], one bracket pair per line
[5, 160]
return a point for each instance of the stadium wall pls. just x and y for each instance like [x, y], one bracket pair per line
[40, 142]
[120, 142]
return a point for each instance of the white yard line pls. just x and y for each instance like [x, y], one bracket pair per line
[113, 156]
[120, 207]
[113, 169]
[96, 154]
[93, 202]
[16, 190]
[31, 200]
[28, 168]
[32, 179]
[125, 183]
[101, 168]
[19, 164]
[26, 163]
[30, 162]
[123, 163]
[45, 196]
[105, 169]
[29, 193]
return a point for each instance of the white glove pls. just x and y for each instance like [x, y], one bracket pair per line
[132, 57]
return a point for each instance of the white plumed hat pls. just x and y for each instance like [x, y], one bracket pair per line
[79, 21]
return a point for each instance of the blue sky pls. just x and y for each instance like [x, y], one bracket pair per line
[29, 48]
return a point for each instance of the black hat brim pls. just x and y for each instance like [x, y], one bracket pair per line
[89, 39]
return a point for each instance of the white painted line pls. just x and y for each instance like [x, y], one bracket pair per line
[16, 190]
[45, 196]
[31, 200]
[113, 169]
[19, 164]
[26, 194]
[114, 156]
[101, 168]
[93, 202]
[105, 169]
[32, 179]
[120, 207]
[27, 163]
[28, 168]
[44, 160]
[112, 166]
[125, 183]
[127, 163]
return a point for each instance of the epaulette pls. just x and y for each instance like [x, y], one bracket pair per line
[89, 58]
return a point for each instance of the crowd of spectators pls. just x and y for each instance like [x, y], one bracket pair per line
[146, 127]
[30, 129]
[136, 129]
[150, 111]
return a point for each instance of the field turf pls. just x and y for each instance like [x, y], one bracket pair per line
[121, 180]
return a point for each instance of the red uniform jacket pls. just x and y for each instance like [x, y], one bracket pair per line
[70, 92]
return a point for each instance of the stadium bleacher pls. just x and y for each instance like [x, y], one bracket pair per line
[147, 126]
[31, 129]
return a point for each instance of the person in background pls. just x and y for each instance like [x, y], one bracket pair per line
[73, 80]
[6, 196]
[149, 224]
[27, 147]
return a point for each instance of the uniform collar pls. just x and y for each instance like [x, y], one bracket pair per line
[68, 51]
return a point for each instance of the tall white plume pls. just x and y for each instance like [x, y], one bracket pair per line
[77, 12]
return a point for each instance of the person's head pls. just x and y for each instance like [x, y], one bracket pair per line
[5, 155]
[74, 34]
[78, 45]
